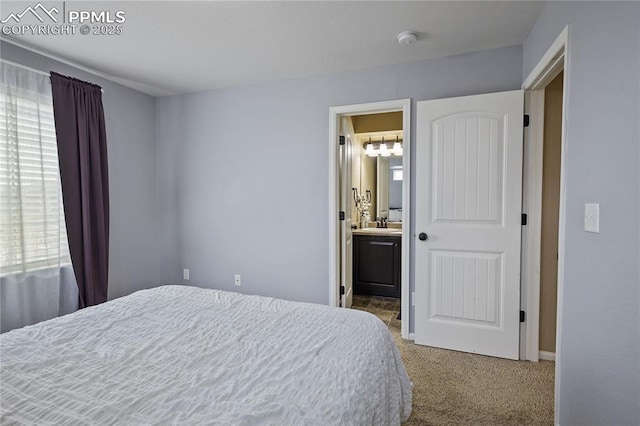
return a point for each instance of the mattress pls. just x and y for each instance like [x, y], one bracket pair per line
[187, 355]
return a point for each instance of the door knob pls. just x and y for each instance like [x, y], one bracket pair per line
[423, 236]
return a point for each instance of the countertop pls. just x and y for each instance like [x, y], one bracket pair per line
[388, 232]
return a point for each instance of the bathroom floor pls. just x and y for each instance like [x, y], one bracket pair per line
[385, 308]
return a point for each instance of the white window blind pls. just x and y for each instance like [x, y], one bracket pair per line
[32, 226]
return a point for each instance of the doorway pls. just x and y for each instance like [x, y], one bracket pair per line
[347, 205]
[541, 207]
[551, 170]
[552, 64]
[543, 202]
[468, 296]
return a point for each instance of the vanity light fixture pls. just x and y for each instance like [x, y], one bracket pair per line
[376, 148]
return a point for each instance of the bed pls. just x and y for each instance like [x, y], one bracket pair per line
[187, 355]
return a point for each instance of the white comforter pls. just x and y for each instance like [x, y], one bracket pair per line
[191, 356]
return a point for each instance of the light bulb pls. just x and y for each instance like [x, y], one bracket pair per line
[383, 150]
[397, 148]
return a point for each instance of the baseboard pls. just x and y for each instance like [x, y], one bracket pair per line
[547, 356]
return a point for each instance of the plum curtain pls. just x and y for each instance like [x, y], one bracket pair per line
[82, 153]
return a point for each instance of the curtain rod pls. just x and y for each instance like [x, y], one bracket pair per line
[15, 64]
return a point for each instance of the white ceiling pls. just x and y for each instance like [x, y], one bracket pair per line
[170, 47]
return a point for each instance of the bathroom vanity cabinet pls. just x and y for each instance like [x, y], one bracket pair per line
[376, 265]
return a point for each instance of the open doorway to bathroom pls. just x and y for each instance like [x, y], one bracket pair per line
[370, 192]
[376, 185]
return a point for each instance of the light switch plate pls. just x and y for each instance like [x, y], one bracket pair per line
[592, 217]
[185, 274]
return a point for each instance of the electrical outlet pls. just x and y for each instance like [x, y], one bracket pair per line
[185, 274]
[236, 280]
[592, 217]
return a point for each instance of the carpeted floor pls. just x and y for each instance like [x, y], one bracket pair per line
[455, 388]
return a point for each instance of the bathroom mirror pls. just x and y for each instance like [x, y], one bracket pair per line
[389, 188]
[383, 177]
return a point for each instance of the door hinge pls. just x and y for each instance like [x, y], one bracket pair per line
[341, 215]
[342, 140]
[341, 290]
[522, 316]
[526, 120]
[523, 220]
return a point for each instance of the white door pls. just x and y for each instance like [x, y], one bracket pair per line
[468, 219]
[346, 206]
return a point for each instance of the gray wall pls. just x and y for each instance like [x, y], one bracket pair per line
[130, 124]
[244, 171]
[599, 368]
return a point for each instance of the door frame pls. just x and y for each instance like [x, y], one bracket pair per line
[335, 113]
[556, 59]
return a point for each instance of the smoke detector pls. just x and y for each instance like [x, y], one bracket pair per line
[406, 38]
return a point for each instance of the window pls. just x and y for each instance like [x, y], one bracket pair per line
[32, 227]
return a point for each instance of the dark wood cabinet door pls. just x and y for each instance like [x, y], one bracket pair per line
[376, 268]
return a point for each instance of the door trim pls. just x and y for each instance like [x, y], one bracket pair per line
[531, 233]
[335, 113]
[555, 59]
